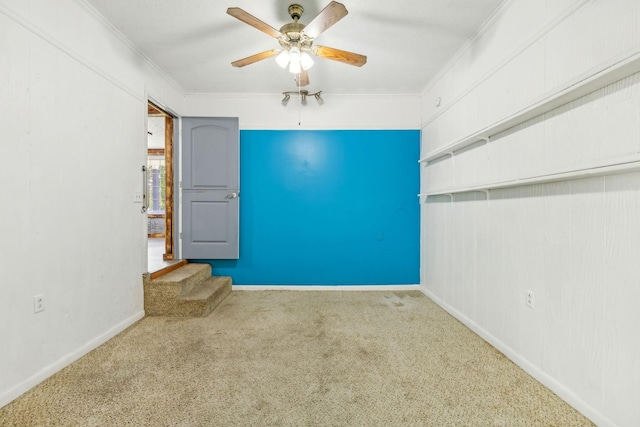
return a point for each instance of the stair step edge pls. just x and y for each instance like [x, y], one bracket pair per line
[185, 275]
[168, 269]
[209, 287]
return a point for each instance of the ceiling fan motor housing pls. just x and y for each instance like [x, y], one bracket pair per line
[292, 32]
[295, 11]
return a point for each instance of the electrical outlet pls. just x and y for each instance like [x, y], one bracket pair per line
[531, 302]
[38, 303]
[137, 197]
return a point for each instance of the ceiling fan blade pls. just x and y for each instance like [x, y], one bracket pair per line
[247, 18]
[255, 58]
[302, 79]
[327, 17]
[340, 55]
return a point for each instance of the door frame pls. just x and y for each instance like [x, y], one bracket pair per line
[169, 143]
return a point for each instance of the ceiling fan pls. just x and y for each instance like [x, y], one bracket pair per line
[296, 40]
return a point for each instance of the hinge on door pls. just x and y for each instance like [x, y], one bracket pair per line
[180, 184]
[180, 235]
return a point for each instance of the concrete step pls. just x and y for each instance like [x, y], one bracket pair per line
[188, 291]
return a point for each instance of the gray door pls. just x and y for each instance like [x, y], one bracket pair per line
[210, 188]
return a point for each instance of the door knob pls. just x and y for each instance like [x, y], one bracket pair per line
[231, 195]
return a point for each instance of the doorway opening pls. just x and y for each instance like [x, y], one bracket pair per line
[160, 166]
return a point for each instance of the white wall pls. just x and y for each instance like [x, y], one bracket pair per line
[73, 139]
[72, 131]
[73, 98]
[574, 243]
[338, 112]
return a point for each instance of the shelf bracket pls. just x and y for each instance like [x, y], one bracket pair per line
[486, 192]
[426, 161]
[427, 195]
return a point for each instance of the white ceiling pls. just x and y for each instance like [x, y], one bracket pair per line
[194, 41]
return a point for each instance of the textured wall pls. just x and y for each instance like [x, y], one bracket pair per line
[72, 134]
[574, 243]
[327, 208]
[340, 111]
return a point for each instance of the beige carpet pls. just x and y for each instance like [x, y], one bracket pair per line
[296, 359]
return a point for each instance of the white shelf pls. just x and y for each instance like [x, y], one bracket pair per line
[630, 165]
[618, 68]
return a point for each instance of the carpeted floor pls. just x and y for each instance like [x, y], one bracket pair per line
[296, 359]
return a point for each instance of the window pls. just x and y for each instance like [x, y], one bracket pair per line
[156, 184]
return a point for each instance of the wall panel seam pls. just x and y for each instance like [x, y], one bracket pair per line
[69, 52]
[42, 34]
[467, 45]
[625, 164]
[128, 43]
[607, 73]
[509, 58]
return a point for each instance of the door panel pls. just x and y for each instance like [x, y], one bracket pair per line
[211, 228]
[209, 142]
[210, 188]
[212, 151]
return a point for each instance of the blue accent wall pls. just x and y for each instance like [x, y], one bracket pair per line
[327, 208]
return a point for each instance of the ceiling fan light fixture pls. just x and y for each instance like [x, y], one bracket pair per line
[294, 67]
[303, 95]
[296, 40]
[294, 60]
[306, 61]
[283, 58]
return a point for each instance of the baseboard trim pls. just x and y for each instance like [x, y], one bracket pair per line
[21, 388]
[386, 288]
[551, 383]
